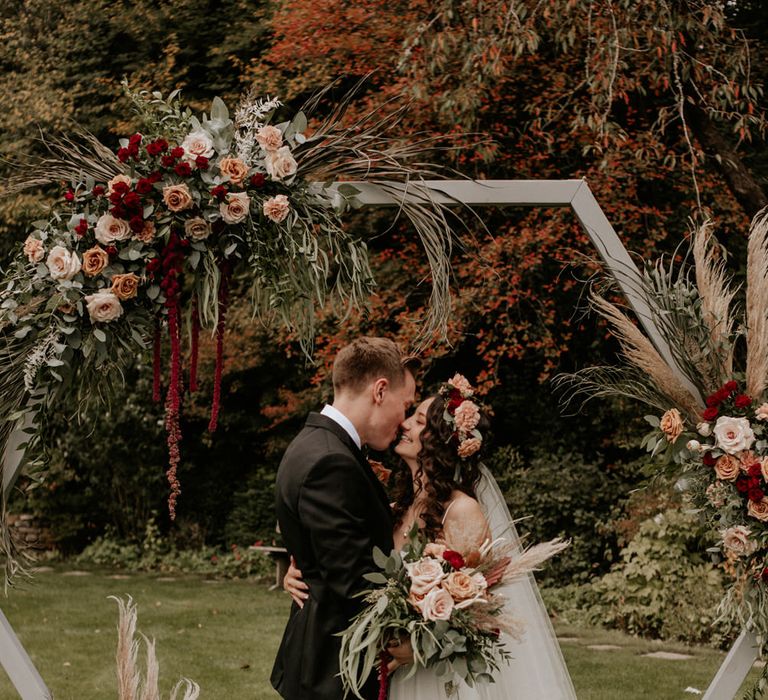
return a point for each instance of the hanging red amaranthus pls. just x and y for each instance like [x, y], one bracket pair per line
[194, 350]
[223, 299]
[171, 265]
[384, 660]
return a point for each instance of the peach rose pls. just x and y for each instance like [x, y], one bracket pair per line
[117, 178]
[759, 509]
[103, 307]
[197, 143]
[764, 467]
[109, 229]
[270, 138]
[234, 168]
[671, 424]
[62, 263]
[747, 459]
[197, 228]
[460, 585]
[733, 434]
[437, 605]
[727, 468]
[425, 575]
[280, 164]
[276, 208]
[147, 234]
[125, 286]
[460, 382]
[236, 208]
[737, 541]
[95, 260]
[177, 197]
[761, 413]
[468, 447]
[34, 249]
[467, 416]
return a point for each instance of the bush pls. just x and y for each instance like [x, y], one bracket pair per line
[565, 495]
[665, 585]
[158, 554]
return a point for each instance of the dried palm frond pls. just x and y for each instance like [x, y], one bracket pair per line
[68, 159]
[191, 690]
[578, 388]
[757, 306]
[640, 352]
[366, 150]
[716, 296]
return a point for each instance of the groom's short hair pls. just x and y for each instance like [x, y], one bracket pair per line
[367, 359]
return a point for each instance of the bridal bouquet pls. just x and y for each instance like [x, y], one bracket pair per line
[447, 604]
[709, 417]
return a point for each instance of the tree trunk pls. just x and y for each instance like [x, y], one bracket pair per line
[742, 183]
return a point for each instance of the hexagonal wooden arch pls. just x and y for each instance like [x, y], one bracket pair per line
[473, 193]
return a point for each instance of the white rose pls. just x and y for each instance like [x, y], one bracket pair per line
[109, 229]
[704, 429]
[425, 575]
[197, 143]
[62, 263]
[280, 163]
[437, 605]
[736, 540]
[103, 307]
[693, 446]
[733, 434]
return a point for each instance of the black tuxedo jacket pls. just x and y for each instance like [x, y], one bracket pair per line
[332, 511]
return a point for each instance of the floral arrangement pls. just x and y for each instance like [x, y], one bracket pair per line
[448, 606]
[462, 415]
[149, 244]
[709, 429]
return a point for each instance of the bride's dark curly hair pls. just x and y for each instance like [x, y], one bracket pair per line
[437, 459]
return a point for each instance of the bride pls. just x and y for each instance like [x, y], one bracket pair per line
[442, 486]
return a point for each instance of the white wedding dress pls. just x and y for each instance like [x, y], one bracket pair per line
[537, 670]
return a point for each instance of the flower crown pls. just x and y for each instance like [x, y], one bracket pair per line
[462, 415]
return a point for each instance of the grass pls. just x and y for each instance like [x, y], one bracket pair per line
[224, 636]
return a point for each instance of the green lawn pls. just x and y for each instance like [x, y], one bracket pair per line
[224, 635]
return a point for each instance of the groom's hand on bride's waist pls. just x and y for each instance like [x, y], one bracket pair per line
[294, 585]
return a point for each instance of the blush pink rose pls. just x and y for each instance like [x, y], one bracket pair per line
[236, 208]
[34, 249]
[425, 575]
[62, 263]
[276, 208]
[468, 447]
[103, 307]
[437, 605]
[270, 138]
[109, 229]
[467, 416]
[280, 164]
[460, 382]
[197, 143]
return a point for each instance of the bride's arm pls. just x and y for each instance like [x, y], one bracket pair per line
[465, 527]
[294, 585]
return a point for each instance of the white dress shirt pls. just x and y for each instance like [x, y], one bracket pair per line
[338, 417]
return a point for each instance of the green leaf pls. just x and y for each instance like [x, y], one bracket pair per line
[219, 111]
[376, 578]
[100, 335]
[300, 122]
[379, 558]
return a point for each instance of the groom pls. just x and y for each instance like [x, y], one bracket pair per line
[333, 511]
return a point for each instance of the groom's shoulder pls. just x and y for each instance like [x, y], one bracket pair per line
[315, 444]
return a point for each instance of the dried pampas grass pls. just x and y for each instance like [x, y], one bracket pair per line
[640, 352]
[129, 683]
[716, 297]
[757, 306]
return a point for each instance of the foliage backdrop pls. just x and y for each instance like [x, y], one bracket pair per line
[653, 103]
